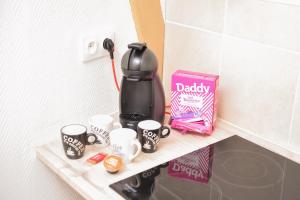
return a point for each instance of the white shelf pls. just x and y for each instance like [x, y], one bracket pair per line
[92, 181]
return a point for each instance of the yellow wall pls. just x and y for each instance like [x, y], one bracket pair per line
[150, 26]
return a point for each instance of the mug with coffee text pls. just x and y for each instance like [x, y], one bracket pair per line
[149, 134]
[74, 139]
[123, 142]
[101, 126]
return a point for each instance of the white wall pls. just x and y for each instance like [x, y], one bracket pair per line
[44, 85]
[254, 46]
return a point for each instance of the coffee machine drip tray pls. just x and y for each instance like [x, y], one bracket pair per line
[132, 116]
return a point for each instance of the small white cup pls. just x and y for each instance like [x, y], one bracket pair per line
[123, 142]
[101, 126]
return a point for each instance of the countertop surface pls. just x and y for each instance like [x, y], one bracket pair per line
[92, 181]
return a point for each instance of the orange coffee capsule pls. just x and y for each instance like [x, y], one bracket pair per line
[113, 163]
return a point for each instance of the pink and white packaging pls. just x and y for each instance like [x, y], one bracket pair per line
[195, 166]
[194, 99]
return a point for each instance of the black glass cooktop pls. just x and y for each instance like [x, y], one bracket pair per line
[233, 169]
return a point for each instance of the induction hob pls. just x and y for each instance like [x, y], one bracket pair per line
[232, 169]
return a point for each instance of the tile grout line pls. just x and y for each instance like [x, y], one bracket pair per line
[193, 27]
[233, 37]
[281, 3]
[165, 10]
[223, 38]
[294, 108]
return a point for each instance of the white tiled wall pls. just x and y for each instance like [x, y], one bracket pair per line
[254, 46]
[257, 87]
[265, 22]
[203, 14]
[44, 84]
[190, 47]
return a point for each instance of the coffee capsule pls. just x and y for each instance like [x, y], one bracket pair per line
[113, 163]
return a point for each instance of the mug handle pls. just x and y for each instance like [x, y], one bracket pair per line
[117, 125]
[139, 149]
[166, 134]
[91, 135]
[138, 181]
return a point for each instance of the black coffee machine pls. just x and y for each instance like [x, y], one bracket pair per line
[142, 95]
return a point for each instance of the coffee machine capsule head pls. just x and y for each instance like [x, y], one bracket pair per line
[139, 62]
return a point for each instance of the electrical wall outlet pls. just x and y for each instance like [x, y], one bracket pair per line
[92, 46]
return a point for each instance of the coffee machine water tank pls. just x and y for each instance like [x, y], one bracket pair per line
[142, 95]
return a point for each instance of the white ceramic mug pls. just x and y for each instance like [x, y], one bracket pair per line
[101, 126]
[123, 142]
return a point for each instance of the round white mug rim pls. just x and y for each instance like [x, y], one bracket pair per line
[127, 133]
[143, 124]
[84, 130]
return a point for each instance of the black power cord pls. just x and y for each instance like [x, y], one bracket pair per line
[109, 45]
